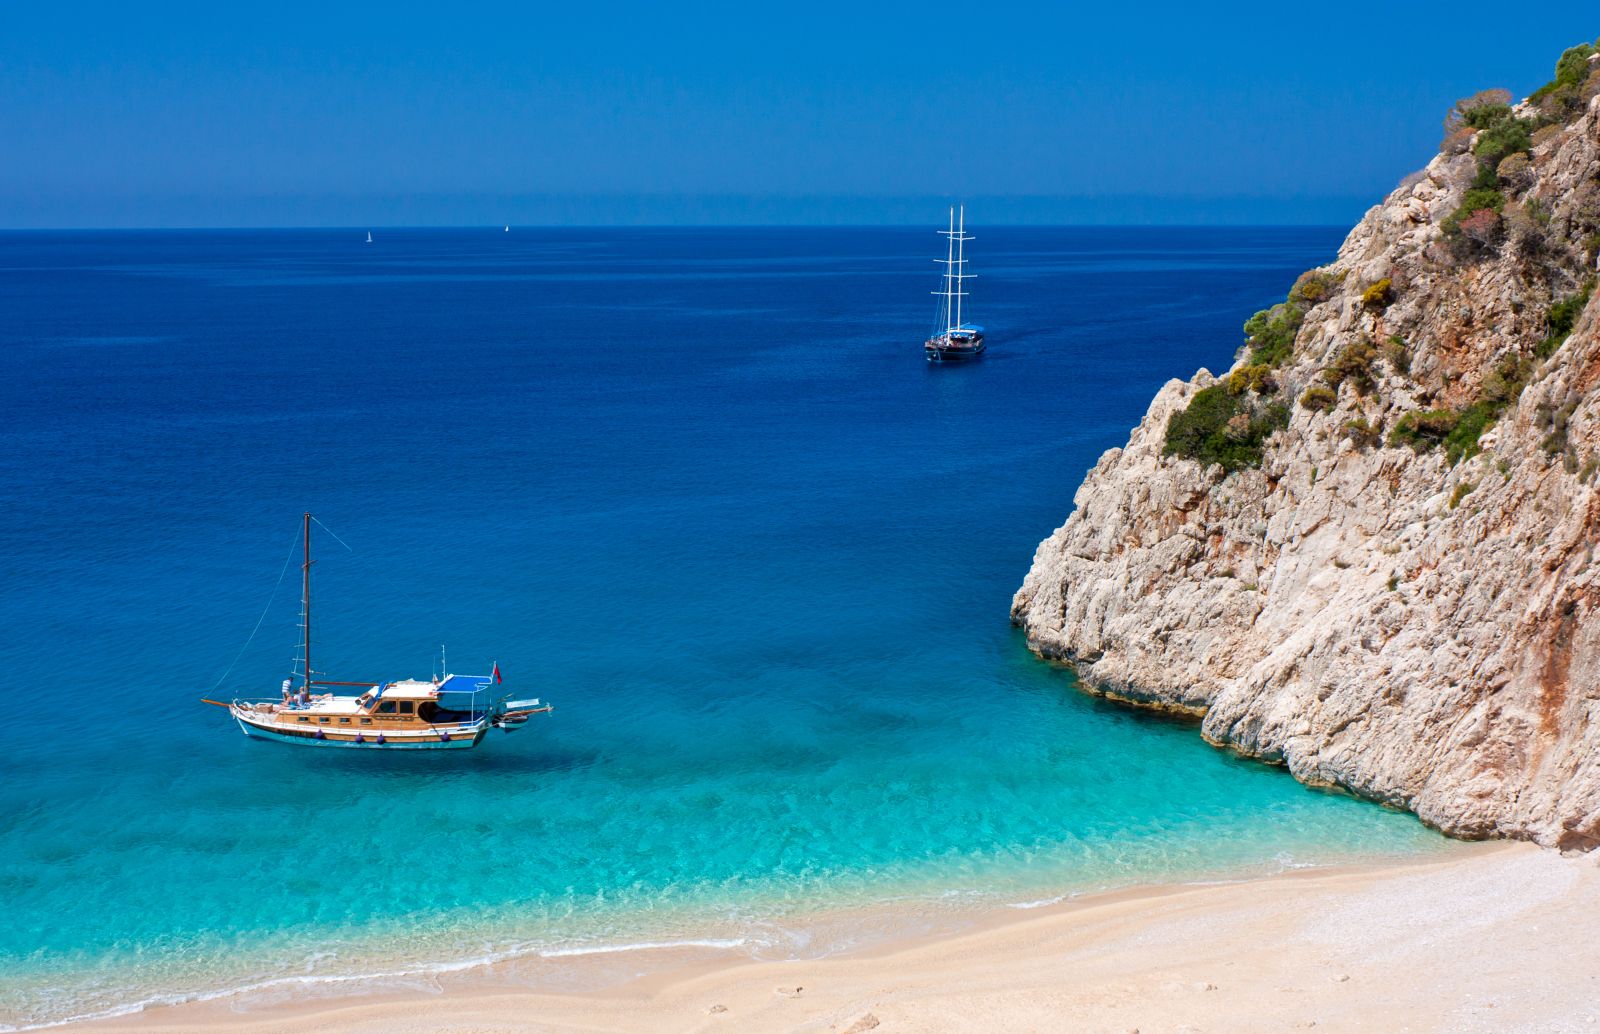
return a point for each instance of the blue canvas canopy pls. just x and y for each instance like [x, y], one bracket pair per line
[464, 692]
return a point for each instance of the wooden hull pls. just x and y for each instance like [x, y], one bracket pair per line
[942, 350]
[458, 737]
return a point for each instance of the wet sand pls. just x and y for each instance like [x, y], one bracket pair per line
[1493, 938]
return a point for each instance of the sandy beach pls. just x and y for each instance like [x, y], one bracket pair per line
[1496, 938]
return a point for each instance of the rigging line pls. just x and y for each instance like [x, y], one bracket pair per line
[263, 617]
[329, 530]
[359, 558]
[382, 576]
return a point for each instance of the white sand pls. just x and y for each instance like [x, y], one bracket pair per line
[1494, 939]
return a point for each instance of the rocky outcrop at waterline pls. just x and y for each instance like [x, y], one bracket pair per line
[1368, 551]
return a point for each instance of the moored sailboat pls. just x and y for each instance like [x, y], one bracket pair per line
[447, 712]
[958, 340]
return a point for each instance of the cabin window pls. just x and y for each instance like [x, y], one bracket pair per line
[344, 721]
[433, 713]
[324, 721]
[304, 718]
[405, 707]
[387, 707]
[366, 721]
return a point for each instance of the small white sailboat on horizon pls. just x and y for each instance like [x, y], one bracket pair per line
[369, 236]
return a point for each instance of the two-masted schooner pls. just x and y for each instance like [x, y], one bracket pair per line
[958, 340]
[444, 712]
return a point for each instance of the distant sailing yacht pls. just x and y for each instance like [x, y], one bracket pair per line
[958, 340]
[369, 236]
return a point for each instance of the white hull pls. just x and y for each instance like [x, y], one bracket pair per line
[458, 737]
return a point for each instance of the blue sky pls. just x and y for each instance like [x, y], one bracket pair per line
[239, 114]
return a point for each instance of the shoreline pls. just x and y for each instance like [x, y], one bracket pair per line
[566, 964]
[1338, 947]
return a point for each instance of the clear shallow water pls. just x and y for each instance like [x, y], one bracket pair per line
[695, 487]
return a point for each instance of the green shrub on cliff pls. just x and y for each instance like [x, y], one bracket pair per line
[1505, 382]
[1424, 430]
[1256, 377]
[1501, 140]
[1270, 333]
[1500, 131]
[1482, 109]
[1319, 397]
[1398, 355]
[1478, 199]
[1474, 229]
[1572, 67]
[1563, 316]
[1562, 98]
[1229, 422]
[1462, 441]
[1314, 285]
[1353, 365]
[1459, 431]
[1219, 426]
[1515, 173]
[1362, 433]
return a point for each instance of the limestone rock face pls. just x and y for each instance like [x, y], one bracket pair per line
[1419, 631]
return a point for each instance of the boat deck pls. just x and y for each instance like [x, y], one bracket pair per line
[342, 722]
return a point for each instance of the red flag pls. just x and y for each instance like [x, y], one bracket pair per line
[497, 671]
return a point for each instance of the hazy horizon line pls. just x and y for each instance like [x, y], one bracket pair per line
[364, 227]
[441, 209]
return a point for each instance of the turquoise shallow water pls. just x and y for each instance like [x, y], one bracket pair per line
[697, 488]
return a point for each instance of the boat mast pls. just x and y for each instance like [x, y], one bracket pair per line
[305, 602]
[949, 268]
[961, 261]
[955, 262]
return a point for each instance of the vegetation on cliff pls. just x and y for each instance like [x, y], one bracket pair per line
[1501, 138]
[1562, 99]
[1224, 426]
[1229, 424]
[1496, 200]
[1562, 316]
[1399, 591]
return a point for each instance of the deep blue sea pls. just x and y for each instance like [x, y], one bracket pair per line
[697, 488]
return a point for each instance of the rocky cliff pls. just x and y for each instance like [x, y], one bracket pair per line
[1368, 551]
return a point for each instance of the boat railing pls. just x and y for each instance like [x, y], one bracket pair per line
[270, 710]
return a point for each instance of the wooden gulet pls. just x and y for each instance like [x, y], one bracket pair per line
[447, 712]
[959, 340]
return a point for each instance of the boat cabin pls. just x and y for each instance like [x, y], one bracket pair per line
[457, 700]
